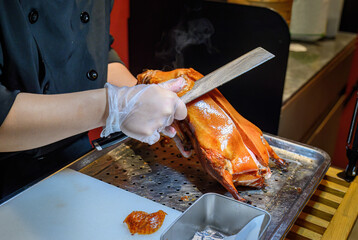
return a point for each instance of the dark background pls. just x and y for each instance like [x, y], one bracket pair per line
[349, 19]
[206, 35]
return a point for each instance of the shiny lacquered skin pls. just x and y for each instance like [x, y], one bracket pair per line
[144, 223]
[230, 148]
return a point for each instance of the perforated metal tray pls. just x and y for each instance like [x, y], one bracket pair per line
[161, 174]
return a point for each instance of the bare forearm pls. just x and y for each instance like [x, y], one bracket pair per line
[120, 76]
[36, 120]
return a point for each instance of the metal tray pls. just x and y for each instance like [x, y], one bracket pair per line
[215, 213]
[161, 174]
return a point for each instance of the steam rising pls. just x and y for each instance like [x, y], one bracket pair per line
[197, 32]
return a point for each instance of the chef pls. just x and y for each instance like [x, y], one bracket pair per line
[55, 58]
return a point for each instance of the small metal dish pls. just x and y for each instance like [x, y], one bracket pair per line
[217, 213]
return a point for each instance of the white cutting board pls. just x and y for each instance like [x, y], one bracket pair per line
[74, 206]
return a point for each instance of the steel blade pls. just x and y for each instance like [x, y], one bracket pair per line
[228, 72]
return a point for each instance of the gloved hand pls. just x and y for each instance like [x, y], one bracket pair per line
[143, 111]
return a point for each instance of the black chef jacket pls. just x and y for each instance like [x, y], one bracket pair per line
[51, 47]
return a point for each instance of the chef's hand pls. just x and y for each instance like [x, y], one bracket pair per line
[143, 111]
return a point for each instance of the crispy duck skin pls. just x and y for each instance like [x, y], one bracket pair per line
[250, 133]
[143, 223]
[230, 148]
[156, 76]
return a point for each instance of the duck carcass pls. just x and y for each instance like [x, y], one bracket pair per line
[230, 148]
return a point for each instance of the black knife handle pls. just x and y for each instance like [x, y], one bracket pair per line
[352, 147]
[110, 140]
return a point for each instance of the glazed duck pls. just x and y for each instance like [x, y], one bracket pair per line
[230, 148]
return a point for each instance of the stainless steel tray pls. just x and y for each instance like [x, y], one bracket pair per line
[217, 214]
[161, 174]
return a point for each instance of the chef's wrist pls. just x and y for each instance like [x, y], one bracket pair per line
[98, 104]
[106, 108]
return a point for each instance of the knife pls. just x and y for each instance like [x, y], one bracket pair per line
[207, 83]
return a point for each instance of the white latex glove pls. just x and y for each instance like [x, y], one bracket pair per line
[143, 111]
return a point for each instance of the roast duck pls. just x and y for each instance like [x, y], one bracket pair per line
[230, 148]
[144, 223]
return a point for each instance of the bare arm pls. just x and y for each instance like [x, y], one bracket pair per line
[119, 75]
[36, 120]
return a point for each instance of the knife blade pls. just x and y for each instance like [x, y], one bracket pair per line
[228, 72]
[207, 83]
